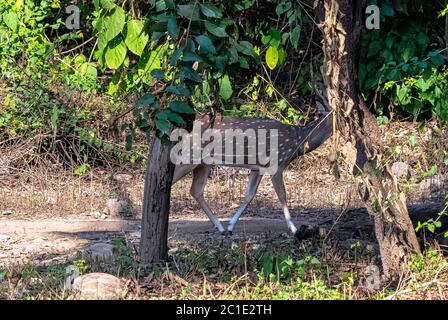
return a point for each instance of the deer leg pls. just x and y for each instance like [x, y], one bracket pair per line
[181, 171]
[252, 186]
[200, 176]
[279, 186]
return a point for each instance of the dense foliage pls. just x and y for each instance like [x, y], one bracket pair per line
[404, 66]
[180, 54]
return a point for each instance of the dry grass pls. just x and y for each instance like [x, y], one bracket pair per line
[209, 267]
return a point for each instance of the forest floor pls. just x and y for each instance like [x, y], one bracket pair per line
[49, 220]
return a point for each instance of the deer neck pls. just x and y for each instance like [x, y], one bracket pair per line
[314, 134]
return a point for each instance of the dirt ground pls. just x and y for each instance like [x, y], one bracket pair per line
[48, 216]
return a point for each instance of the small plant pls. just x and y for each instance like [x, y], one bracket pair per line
[3, 274]
[432, 224]
[82, 266]
[125, 256]
[28, 271]
[412, 141]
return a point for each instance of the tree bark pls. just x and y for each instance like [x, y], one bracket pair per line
[156, 204]
[357, 142]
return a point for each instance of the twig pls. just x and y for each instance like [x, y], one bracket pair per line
[78, 46]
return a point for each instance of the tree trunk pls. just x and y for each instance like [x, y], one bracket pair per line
[357, 142]
[156, 205]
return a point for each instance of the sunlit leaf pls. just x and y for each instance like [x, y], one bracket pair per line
[272, 57]
[11, 20]
[135, 38]
[115, 53]
[115, 23]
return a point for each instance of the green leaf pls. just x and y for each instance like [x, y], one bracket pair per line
[407, 53]
[170, 4]
[102, 41]
[295, 36]
[163, 125]
[190, 74]
[129, 141]
[115, 23]
[243, 63]
[432, 171]
[178, 90]
[215, 30]
[245, 47]
[88, 70]
[205, 44]
[412, 141]
[219, 62]
[181, 107]
[174, 117]
[174, 58]
[272, 57]
[225, 88]
[11, 20]
[273, 38]
[191, 57]
[374, 48]
[172, 28]
[422, 64]
[281, 55]
[115, 53]
[146, 100]
[438, 60]
[107, 4]
[279, 9]
[189, 11]
[233, 55]
[158, 74]
[211, 11]
[135, 38]
[387, 10]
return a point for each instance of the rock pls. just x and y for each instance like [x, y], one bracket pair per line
[400, 169]
[122, 177]
[116, 207]
[51, 200]
[33, 245]
[95, 214]
[97, 286]
[100, 252]
[4, 238]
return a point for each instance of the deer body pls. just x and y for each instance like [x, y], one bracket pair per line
[293, 141]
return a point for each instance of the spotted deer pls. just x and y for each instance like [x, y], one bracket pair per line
[293, 141]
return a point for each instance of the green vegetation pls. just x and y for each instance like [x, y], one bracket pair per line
[66, 82]
[229, 272]
[92, 97]
[404, 68]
